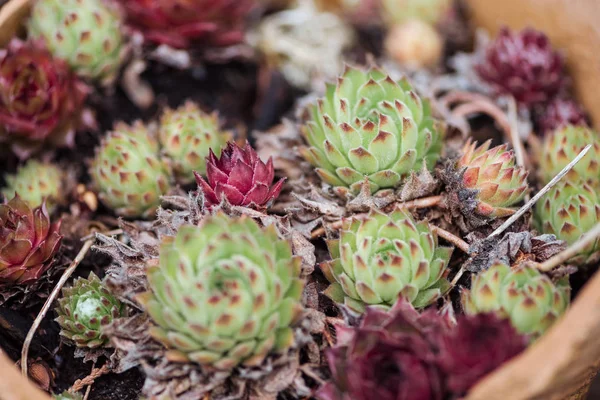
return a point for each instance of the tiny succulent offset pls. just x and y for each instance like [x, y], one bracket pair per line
[524, 65]
[370, 128]
[558, 114]
[85, 33]
[128, 172]
[383, 256]
[569, 210]
[526, 296]
[35, 182]
[186, 135]
[562, 146]
[239, 177]
[29, 242]
[224, 293]
[84, 309]
[183, 23]
[68, 396]
[40, 99]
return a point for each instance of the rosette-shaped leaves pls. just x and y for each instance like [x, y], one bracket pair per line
[477, 345]
[35, 182]
[498, 183]
[128, 173]
[40, 99]
[382, 256]
[568, 211]
[560, 113]
[84, 309]
[240, 177]
[186, 135]
[369, 126]
[390, 356]
[28, 242]
[224, 293]
[183, 23]
[562, 146]
[526, 296]
[523, 65]
[84, 33]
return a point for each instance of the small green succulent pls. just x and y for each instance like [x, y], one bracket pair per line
[36, 181]
[68, 396]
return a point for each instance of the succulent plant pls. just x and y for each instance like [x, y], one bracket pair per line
[183, 23]
[526, 296]
[35, 182]
[68, 396]
[369, 126]
[477, 345]
[523, 65]
[239, 177]
[84, 309]
[28, 242]
[40, 99]
[224, 293]
[569, 210]
[389, 356]
[396, 12]
[490, 181]
[85, 33]
[128, 172]
[559, 113]
[383, 256]
[415, 44]
[562, 146]
[186, 135]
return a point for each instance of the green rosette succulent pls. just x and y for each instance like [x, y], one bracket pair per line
[36, 181]
[187, 134]
[224, 293]
[369, 127]
[568, 211]
[128, 172]
[562, 146]
[84, 309]
[380, 257]
[68, 396]
[525, 295]
[85, 33]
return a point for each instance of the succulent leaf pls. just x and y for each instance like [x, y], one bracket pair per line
[558, 114]
[67, 396]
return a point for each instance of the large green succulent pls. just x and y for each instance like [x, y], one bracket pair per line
[224, 293]
[525, 295]
[369, 126]
[128, 173]
[85, 33]
[382, 256]
[36, 181]
[84, 309]
[569, 210]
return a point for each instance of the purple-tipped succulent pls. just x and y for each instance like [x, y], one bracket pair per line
[560, 113]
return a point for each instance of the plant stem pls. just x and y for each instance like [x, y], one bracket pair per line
[455, 240]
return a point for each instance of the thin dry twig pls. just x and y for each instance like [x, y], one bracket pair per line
[455, 240]
[90, 379]
[573, 250]
[539, 194]
[38, 320]
[114, 232]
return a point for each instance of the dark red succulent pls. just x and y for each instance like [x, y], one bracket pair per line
[524, 65]
[558, 113]
[240, 177]
[182, 23]
[40, 98]
[389, 356]
[28, 242]
[477, 345]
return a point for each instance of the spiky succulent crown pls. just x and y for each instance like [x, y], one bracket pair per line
[28, 242]
[187, 134]
[84, 309]
[562, 146]
[382, 256]
[128, 172]
[569, 210]
[369, 126]
[85, 33]
[525, 295]
[494, 176]
[224, 293]
[36, 181]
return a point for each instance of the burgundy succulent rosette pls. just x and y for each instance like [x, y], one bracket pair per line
[559, 113]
